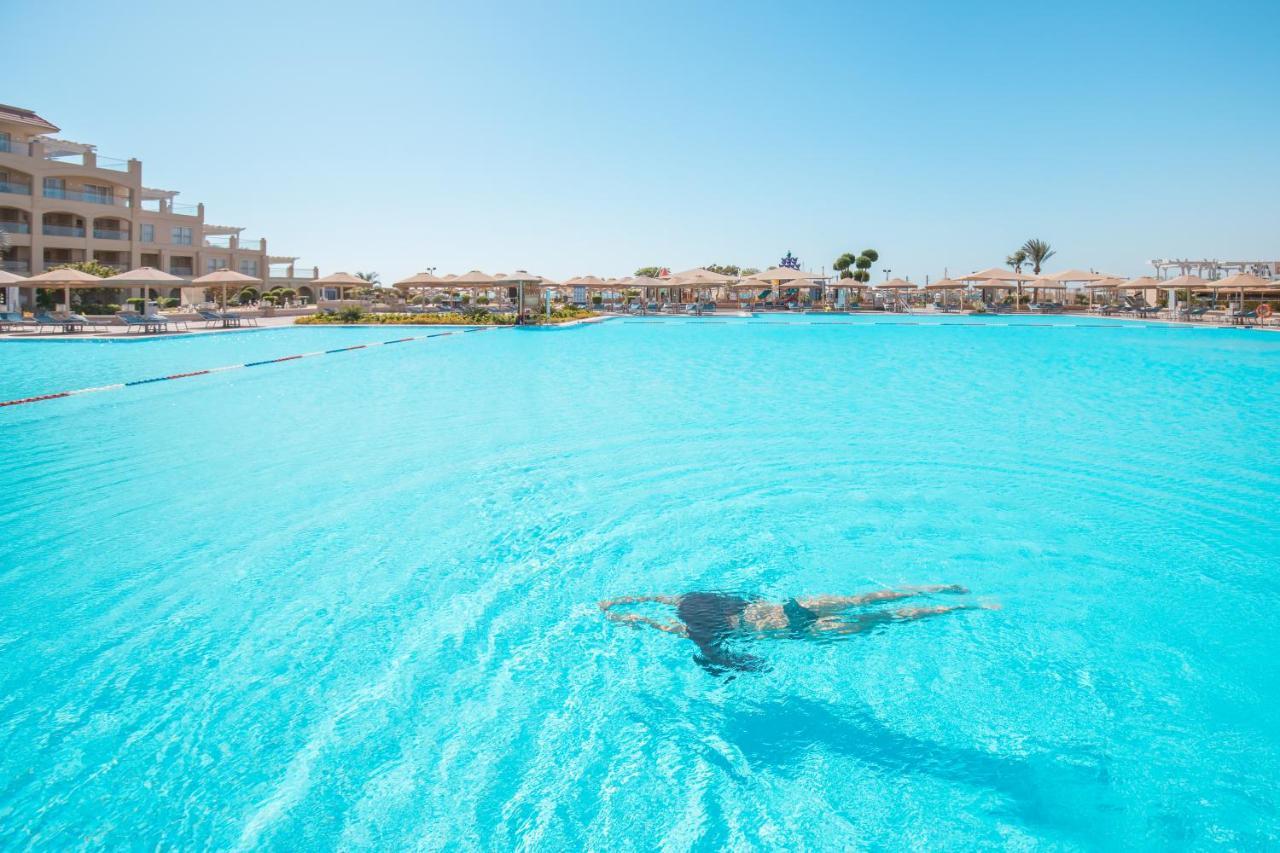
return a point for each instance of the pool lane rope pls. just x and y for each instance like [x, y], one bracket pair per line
[120, 385]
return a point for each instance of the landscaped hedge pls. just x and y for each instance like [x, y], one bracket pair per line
[350, 315]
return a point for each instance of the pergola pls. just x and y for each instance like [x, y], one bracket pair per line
[341, 280]
[945, 286]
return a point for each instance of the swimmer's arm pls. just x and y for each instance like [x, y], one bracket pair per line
[673, 600]
[636, 619]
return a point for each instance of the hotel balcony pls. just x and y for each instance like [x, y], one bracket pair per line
[16, 266]
[90, 197]
[15, 226]
[110, 229]
[179, 269]
[15, 187]
[10, 146]
[167, 206]
[73, 154]
[62, 225]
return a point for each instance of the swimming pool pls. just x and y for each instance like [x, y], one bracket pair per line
[350, 600]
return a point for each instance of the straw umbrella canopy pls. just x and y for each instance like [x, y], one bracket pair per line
[699, 275]
[583, 281]
[224, 277]
[1240, 282]
[1188, 282]
[474, 277]
[143, 277]
[998, 275]
[421, 279]
[1142, 282]
[894, 284]
[66, 279]
[781, 274]
[1079, 276]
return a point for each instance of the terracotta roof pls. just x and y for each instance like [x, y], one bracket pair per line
[21, 116]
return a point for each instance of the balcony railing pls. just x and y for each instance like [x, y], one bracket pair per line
[218, 241]
[109, 234]
[63, 231]
[15, 187]
[251, 245]
[15, 227]
[9, 146]
[176, 270]
[15, 266]
[184, 209]
[77, 195]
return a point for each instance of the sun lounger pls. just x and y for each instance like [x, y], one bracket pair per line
[159, 318]
[1241, 318]
[134, 321]
[45, 320]
[11, 320]
[1196, 313]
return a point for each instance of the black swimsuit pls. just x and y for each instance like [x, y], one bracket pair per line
[799, 618]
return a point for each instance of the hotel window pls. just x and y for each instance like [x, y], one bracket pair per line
[5, 139]
[248, 267]
[148, 233]
[55, 188]
[97, 193]
[215, 264]
[180, 236]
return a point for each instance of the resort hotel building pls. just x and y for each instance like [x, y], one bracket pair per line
[61, 202]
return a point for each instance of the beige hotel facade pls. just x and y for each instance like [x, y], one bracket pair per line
[61, 202]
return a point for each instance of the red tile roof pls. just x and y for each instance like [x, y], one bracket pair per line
[21, 116]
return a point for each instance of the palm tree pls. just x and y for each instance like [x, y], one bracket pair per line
[1038, 251]
[371, 277]
[1016, 260]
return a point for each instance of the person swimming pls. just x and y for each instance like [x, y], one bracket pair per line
[710, 619]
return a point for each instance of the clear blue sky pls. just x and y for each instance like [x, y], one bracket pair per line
[571, 138]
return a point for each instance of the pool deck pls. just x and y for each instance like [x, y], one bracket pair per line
[197, 327]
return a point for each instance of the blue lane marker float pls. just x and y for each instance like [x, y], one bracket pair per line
[119, 385]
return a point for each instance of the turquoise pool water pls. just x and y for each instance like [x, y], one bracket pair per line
[350, 600]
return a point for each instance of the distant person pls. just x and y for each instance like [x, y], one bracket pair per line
[711, 618]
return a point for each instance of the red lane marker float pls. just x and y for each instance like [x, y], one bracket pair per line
[120, 385]
[35, 399]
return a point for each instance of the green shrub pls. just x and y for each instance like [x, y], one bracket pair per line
[97, 308]
[355, 315]
[135, 302]
[169, 302]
